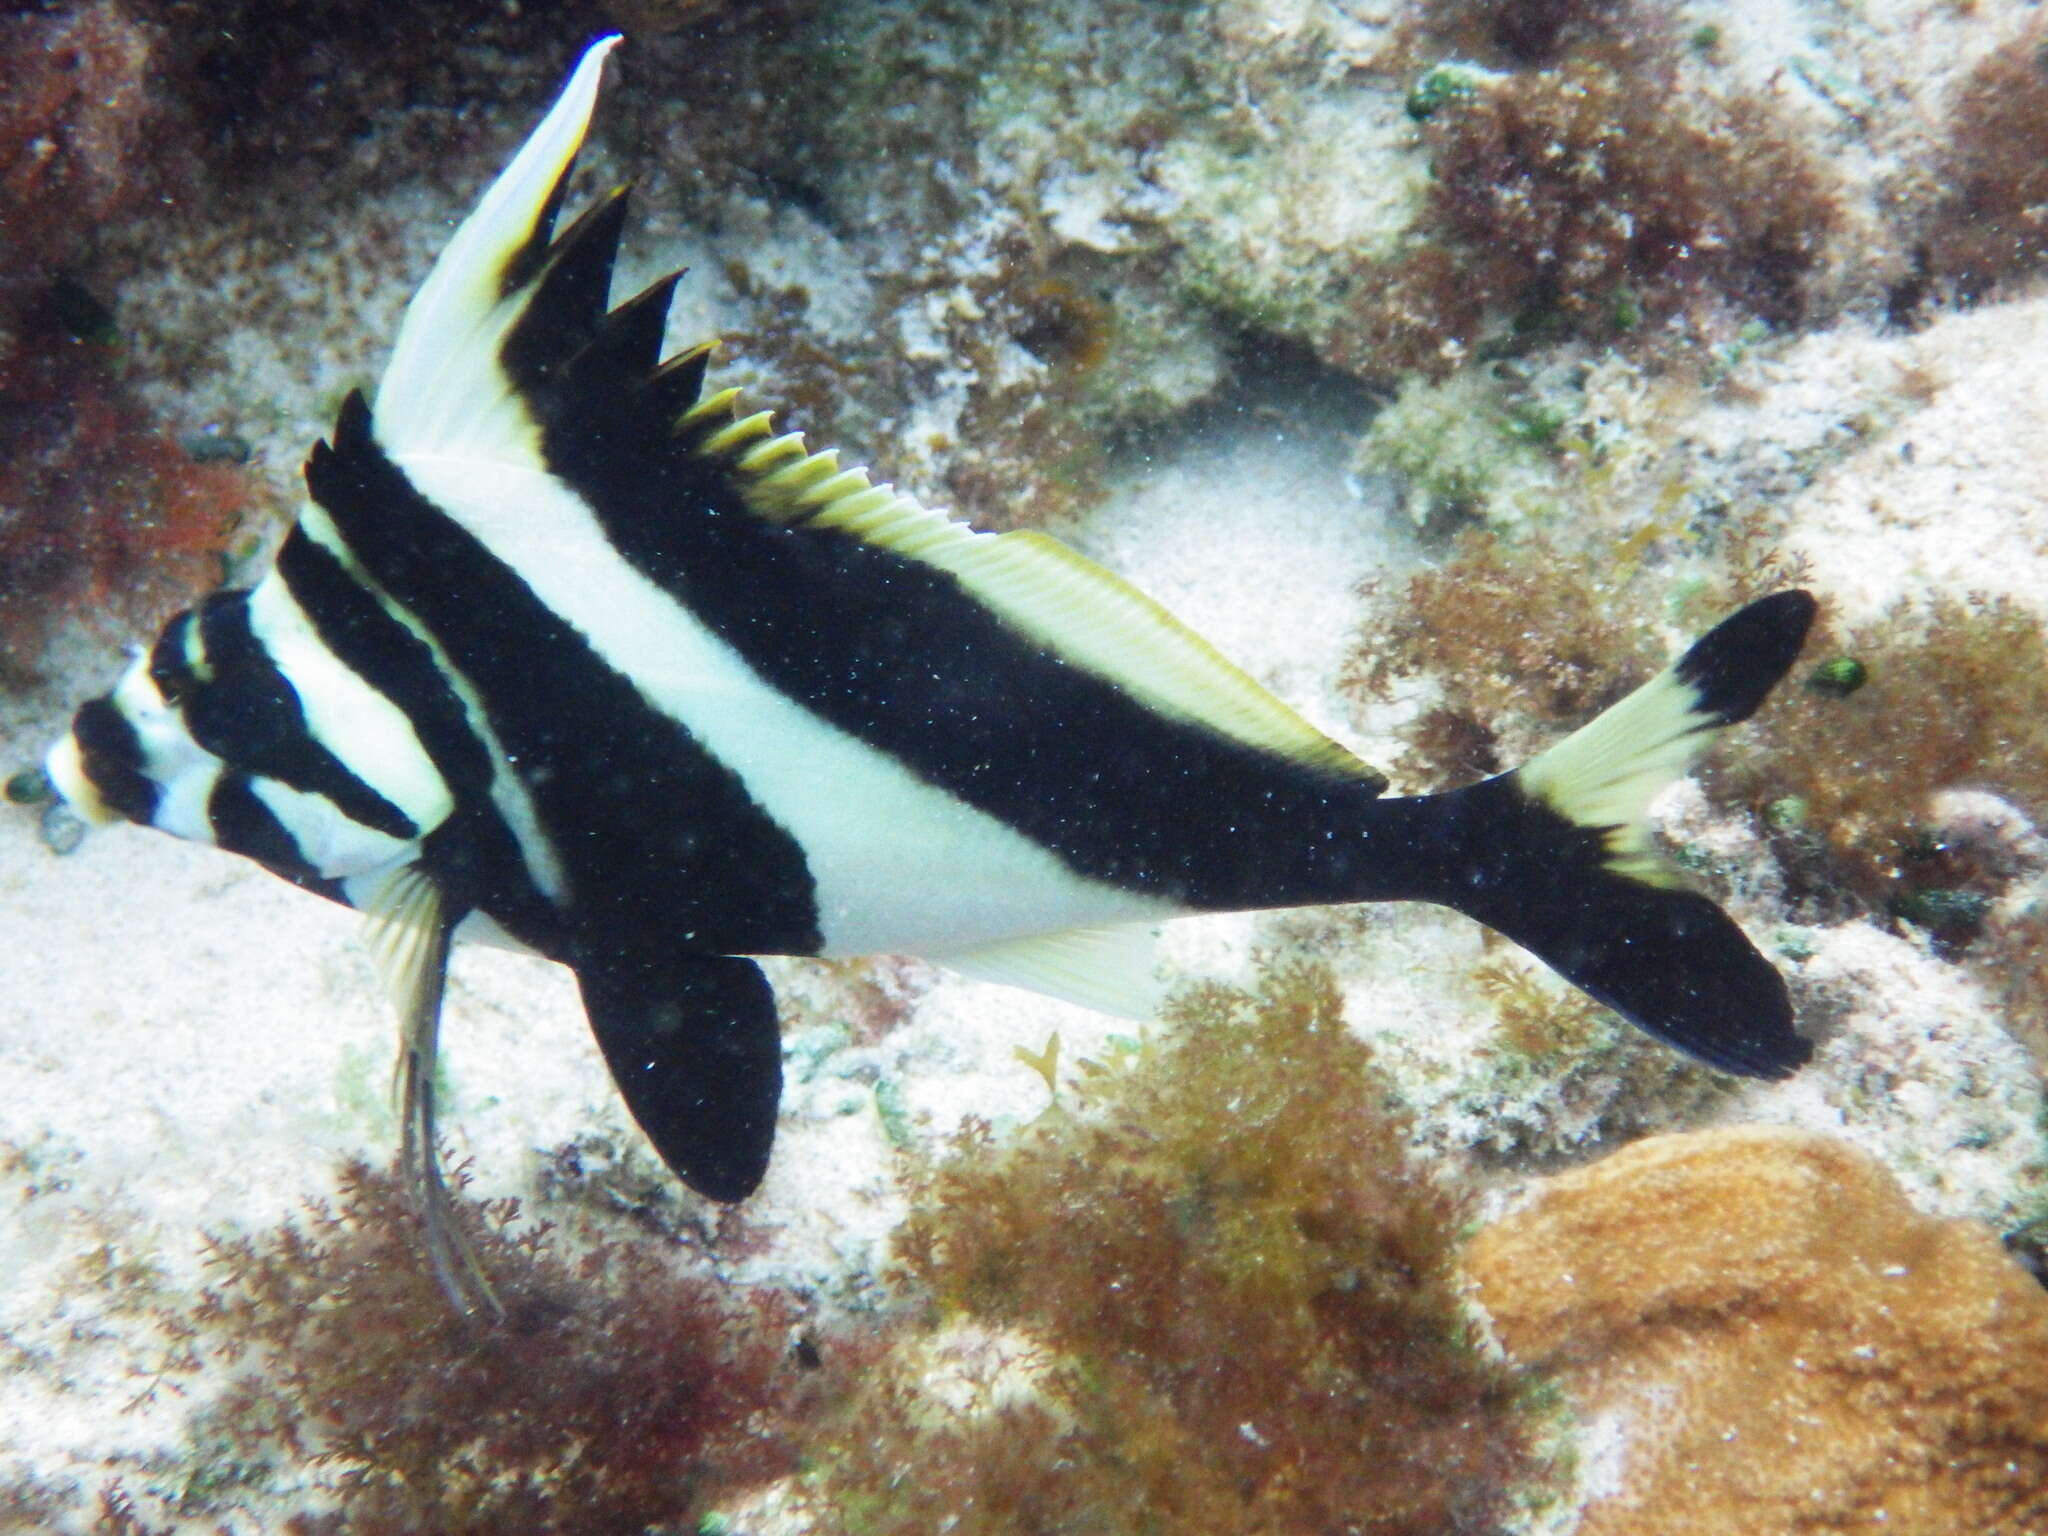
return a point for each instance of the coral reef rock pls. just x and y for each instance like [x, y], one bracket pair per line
[1781, 1342]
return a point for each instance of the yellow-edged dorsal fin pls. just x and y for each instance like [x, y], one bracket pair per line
[1061, 599]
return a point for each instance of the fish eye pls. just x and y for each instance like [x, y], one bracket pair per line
[174, 688]
[172, 661]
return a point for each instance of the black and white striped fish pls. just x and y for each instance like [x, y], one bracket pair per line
[564, 650]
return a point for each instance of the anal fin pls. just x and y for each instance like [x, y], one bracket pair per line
[1107, 969]
[695, 1047]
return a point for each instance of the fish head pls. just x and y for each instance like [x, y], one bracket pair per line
[206, 737]
[131, 755]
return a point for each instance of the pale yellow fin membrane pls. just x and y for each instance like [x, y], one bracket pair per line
[1606, 773]
[1060, 599]
[408, 935]
[1108, 969]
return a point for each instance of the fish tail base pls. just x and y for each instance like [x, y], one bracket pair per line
[1558, 857]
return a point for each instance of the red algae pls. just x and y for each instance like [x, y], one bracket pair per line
[1218, 1298]
[618, 1394]
[103, 517]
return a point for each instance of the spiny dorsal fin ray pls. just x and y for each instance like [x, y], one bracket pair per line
[1061, 599]
[563, 309]
[675, 386]
[628, 345]
[444, 391]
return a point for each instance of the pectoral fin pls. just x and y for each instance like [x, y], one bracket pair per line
[694, 1045]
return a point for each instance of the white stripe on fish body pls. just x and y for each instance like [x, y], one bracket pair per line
[508, 791]
[900, 866]
[327, 838]
[184, 804]
[184, 771]
[368, 734]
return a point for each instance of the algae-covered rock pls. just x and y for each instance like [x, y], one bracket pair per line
[1784, 1341]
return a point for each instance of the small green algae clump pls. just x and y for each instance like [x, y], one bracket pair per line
[1452, 80]
[1838, 677]
[1221, 1300]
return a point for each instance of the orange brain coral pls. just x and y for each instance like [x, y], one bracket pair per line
[1787, 1343]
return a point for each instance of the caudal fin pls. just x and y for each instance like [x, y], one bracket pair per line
[1560, 858]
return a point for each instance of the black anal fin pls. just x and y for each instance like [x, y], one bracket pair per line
[694, 1044]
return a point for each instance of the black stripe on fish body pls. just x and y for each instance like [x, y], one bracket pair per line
[357, 630]
[111, 755]
[473, 854]
[653, 832]
[243, 824]
[247, 712]
[898, 654]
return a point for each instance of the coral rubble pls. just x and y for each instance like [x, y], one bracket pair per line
[1778, 1341]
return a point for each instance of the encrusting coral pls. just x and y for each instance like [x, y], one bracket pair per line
[1783, 1342]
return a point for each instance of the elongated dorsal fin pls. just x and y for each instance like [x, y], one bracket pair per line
[444, 391]
[508, 357]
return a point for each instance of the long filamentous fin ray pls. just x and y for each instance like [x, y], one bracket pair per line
[410, 931]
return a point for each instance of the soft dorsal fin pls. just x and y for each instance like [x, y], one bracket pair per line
[1038, 585]
[445, 391]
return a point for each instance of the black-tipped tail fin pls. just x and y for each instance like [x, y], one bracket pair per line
[1605, 775]
[1669, 961]
[1560, 859]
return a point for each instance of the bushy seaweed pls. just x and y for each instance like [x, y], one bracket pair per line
[616, 1395]
[1516, 640]
[1987, 229]
[1955, 697]
[1217, 1299]
[1588, 183]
